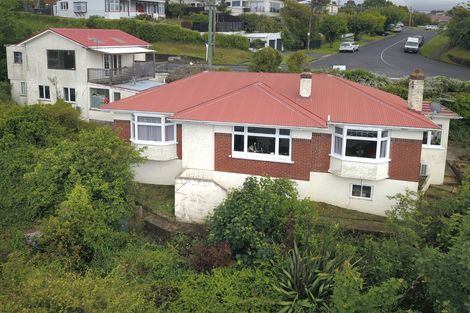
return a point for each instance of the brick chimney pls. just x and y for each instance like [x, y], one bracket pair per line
[306, 84]
[416, 90]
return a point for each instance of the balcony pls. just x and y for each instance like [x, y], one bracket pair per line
[121, 75]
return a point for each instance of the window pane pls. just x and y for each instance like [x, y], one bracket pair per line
[264, 145]
[169, 132]
[338, 145]
[436, 138]
[284, 146]
[356, 190]
[239, 143]
[362, 133]
[339, 130]
[149, 119]
[47, 95]
[284, 132]
[262, 130]
[239, 129]
[425, 138]
[41, 92]
[366, 191]
[361, 148]
[383, 148]
[150, 133]
[385, 134]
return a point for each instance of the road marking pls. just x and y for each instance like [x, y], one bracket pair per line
[382, 53]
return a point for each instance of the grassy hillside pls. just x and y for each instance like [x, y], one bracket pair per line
[438, 49]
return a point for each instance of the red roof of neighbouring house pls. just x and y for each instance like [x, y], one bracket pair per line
[444, 112]
[273, 99]
[97, 37]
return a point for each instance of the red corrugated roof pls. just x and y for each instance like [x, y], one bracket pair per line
[100, 37]
[445, 112]
[265, 98]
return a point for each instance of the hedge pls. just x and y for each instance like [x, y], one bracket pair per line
[230, 41]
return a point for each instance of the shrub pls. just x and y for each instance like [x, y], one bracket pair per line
[265, 60]
[230, 41]
[296, 62]
[205, 257]
[258, 214]
[199, 18]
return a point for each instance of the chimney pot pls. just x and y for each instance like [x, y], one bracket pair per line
[306, 84]
[416, 90]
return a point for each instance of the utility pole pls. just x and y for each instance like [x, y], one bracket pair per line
[209, 34]
[309, 24]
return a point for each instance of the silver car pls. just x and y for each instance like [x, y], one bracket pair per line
[348, 47]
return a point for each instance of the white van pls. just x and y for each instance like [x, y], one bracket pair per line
[412, 45]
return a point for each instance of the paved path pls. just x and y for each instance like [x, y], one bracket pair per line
[387, 57]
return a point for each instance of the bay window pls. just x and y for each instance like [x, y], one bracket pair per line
[152, 129]
[361, 143]
[261, 143]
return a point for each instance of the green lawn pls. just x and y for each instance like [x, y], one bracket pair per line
[158, 198]
[433, 48]
[221, 56]
[456, 51]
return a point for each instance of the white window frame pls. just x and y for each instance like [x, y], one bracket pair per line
[112, 6]
[23, 89]
[360, 197]
[67, 95]
[425, 172]
[64, 5]
[261, 156]
[43, 87]
[429, 138]
[80, 7]
[377, 139]
[162, 124]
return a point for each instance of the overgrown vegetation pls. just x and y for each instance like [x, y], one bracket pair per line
[265, 60]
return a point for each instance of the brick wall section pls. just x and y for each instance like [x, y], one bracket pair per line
[179, 139]
[321, 149]
[123, 128]
[301, 155]
[405, 155]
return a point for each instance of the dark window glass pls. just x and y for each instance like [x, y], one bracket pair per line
[262, 130]
[356, 190]
[436, 138]
[339, 130]
[366, 191]
[17, 57]
[361, 191]
[239, 129]
[283, 146]
[44, 92]
[265, 145]
[425, 138]
[361, 148]
[235, 3]
[61, 59]
[239, 143]
[284, 132]
[117, 96]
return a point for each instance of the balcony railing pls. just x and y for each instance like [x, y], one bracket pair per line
[121, 75]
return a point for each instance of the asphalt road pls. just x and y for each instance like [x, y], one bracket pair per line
[387, 57]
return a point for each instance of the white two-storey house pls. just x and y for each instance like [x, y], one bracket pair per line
[112, 9]
[84, 67]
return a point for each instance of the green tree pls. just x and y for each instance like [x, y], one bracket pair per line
[458, 28]
[265, 60]
[365, 22]
[394, 14]
[256, 215]
[296, 62]
[260, 23]
[295, 20]
[332, 27]
[420, 18]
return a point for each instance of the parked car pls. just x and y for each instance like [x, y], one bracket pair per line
[397, 29]
[431, 27]
[348, 47]
[412, 45]
[400, 24]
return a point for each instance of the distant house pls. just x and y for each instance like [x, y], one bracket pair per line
[262, 7]
[273, 40]
[330, 9]
[85, 67]
[112, 9]
[341, 142]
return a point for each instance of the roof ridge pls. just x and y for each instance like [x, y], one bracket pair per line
[351, 84]
[298, 106]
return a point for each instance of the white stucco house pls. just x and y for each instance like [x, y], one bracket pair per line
[330, 9]
[85, 67]
[340, 142]
[261, 7]
[112, 9]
